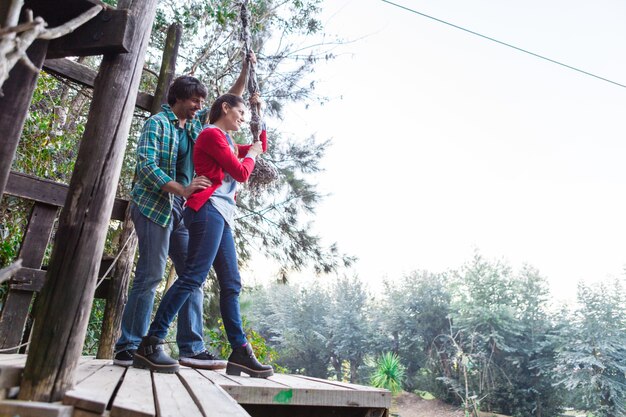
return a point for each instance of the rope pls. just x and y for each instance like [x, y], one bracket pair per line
[115, 259]
[264, 174]
[506, 44]
[15, 347]
[97, 285]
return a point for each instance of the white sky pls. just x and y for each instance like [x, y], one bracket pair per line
[444, 142]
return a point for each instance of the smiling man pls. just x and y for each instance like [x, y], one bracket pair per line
[164, 178]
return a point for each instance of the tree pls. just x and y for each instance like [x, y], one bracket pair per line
[413, 312]
[351, 329]
[591, 358]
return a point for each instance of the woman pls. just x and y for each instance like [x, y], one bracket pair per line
[209, 219]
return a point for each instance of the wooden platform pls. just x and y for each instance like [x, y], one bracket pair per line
[103, 389]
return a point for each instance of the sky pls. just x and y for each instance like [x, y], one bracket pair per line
[445, 143]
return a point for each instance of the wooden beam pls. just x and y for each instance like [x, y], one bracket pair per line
[33, 409]
[56, 13]
[83, 75]
[67, 295]
[118, 288]
[15, 308]
[9, 271]
[107, 33]
[14, 103]
[50, 192]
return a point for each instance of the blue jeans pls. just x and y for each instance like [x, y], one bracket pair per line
[210, 242]
[155, 242]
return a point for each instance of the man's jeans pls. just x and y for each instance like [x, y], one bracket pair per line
[155, 242]
[210, 242]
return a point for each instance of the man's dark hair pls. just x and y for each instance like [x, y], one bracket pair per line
[185, 87]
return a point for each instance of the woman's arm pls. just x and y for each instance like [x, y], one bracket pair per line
[242, 150]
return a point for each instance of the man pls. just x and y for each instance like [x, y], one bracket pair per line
[164, 178]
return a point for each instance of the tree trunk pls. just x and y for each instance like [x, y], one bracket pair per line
[62, 316]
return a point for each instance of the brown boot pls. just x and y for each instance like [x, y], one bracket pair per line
[243, 360]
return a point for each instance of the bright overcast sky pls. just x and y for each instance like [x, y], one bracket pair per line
[444, 142]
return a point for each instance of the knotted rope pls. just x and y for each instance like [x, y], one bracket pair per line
[264, 173]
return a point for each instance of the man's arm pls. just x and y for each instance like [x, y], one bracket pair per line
[240, 84]
[176, 188]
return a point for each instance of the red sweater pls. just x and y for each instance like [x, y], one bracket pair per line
[212, 157]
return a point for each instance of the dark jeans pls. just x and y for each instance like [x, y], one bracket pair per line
[210, 242]
[155, 243]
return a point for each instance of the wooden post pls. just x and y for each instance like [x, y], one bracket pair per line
[15, 309]
[63, 312]
[18, 92]
[118, 290]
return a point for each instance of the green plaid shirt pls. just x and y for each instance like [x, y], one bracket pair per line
[157, 151]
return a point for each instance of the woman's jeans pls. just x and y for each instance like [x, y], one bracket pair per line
[155, 242]
[210, 242]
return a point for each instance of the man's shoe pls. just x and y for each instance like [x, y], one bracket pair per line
[243, 360]
[203, 360]
[124, 357]
[150, 355]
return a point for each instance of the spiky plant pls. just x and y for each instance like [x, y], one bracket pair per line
[389, 373]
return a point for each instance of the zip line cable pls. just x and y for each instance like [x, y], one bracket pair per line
[504, 43]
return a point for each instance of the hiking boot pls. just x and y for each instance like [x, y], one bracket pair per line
[150, 355]
[243, 360]
[124, 357]
[203, 360]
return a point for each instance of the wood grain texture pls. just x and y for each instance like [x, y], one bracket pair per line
[94, 393]
[172, 398]
[29, 409]
[135, 397]
[17, 303]
[17, 94]
[84, 75]
[209, 397]
[67, 296]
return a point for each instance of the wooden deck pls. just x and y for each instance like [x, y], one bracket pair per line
[103, 389]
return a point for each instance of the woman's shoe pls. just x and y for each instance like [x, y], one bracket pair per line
[150, 355]
[242, 359]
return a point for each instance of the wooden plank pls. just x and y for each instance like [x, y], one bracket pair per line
[9, 271]
[295, 382]
[283, 389]
[55, 14]
[33, 409]
[341, 384]
[10, 375]
[10, 357]
[95, 392]
[88, 368]
[135, 397]
[50, 192]
[15, 309]
[211, 398]
[84, 75]
[107, 33]
[28, 279]
[17, 94]
[172, 398]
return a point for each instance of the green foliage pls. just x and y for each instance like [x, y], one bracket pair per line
[264, 353]
[591, 356]
[389, 373]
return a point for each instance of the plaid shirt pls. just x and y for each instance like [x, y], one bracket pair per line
[157, 151]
